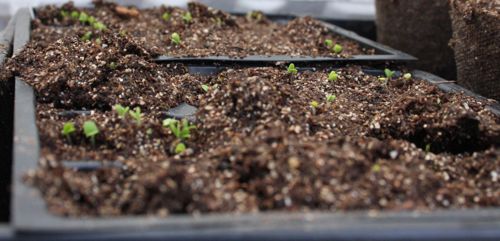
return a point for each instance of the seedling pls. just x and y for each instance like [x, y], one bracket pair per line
[75, 15]
[407, 76]
[314, 104]
[90, 130]
[122, 33]
[91, 20]
[187, 17]
[383, 80]
[329, 43]
[99, 26]
[205, 88]
[254, 15]
[427, 148]
[376, 167]
[68, 129]
[330, 98]
[112, 65]
[291, 69]
[137, 115]
[333, 76]
[149, 131]
[176, 39]
[121, 111]
[98, 41]
[388, 73]
[87, 36]
[83, 18]
[166, 16]
[180, 129]
[64, 13]
[337, 48]
[180, 148]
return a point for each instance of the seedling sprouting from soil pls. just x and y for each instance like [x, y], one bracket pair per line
[75, 15]
[330, 98]
[176, 39]
[427, 148]
[205, 88]
[314, 104]
[83, 17]
[333, 76]
[90, 130]
[136, 115]
[68, 129]
[254, 15]
[329, 43]
[87, 36]
[337, 48]
[64, 13]
[388, 73]
[291, 69]
[166, 16]
[407, 76]
[99, 26]
[180, 148]
[187, 17]
[181, 130]
[112, 65]
[121, 111]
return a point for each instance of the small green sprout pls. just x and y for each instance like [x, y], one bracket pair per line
[64, 13]
[176, 39]
[122, 33]
[90, 130]
[205, 88]
[87, 36]
[291, 69]
[376, 167]
[180, 129]
[180, 148]
[314, 104]
[187, 17]
[91, 20]
[83, 17]
[254, 15]
[149, 131]
[388, 73]
[112, 65]
[427, 148]
[330, 98]
[68, 129]
[407, 76]
[166, 16]
[75, 15]
[137, 115]
[121, 111]
[337, 48]
[329, 43]
[383, 80]
[98, 41]
[99, 26]
[333, 76]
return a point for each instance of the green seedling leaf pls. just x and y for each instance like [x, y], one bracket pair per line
[87, 36]
[121, 111]
[75, 15]
[64, 13]
[180, 148]
[98, 41]
[330, 98]
[176, 39]
[90, 130]
[337, 48]
[112, 65]
[314, 104]
[205, 88]
[91, 20]
[181, 130]
[376, 167]
[187, 17]
[84, 18]
[407, 76]
[68, 129]
[166, 16]
[329, 43]
[99, 26]
[427, 148]
[388, 73]
[291, 69]
[333, 76]
[136, 115]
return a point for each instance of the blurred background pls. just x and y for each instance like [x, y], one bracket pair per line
[363, 10]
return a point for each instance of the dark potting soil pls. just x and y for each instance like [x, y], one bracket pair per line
[259, 144]
[210, 32]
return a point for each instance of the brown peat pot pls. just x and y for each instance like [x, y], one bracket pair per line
[476, 35]
[421, 28]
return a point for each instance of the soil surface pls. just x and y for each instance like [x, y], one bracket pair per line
[264, 139]
[211, 32]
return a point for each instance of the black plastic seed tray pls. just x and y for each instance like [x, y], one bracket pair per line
[32, 221]
[383, 54]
